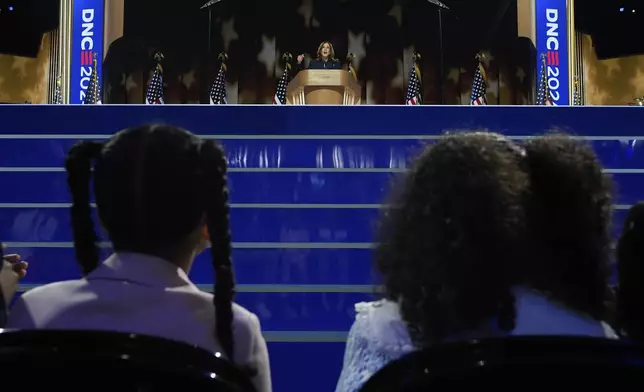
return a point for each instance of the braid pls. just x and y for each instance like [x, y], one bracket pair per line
[79, 172]
[215, 169]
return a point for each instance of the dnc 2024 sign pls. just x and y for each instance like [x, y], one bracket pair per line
[87, 39]
[552, 39]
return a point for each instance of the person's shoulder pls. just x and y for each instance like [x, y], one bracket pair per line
[383, 308]
[52, 291]
[29, 309]
[380, 323]
[245, 321]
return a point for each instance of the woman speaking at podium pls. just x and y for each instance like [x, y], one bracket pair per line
[325, 58]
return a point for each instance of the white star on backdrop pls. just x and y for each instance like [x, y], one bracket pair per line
[279, 63]
[306, 10]
[357, 47]
[2, 96]
[492, 87]
[408, 60]
[454, 75]
[502, 80]
[267, 55]
[396, 13]
[637, 81]
[19, 64]
[520, 74]
[188, 79]
[399, 79]
[232, 89]
[487, 58]
[130, 83]
[595, 96]
[612, 66]
[370, 89]
[465, 97]
[228, 32]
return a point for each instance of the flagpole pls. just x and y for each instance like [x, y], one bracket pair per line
[442, 55]
[440, 7]
[209, 33]
[209, 5]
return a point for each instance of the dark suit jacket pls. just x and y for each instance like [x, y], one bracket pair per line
[320, 64]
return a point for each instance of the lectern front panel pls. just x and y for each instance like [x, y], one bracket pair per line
[324, 96]
[323, 87]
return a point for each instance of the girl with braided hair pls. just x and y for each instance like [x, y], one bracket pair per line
[162, 197]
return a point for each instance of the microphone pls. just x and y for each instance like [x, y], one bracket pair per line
[439, 4]
[208, 4]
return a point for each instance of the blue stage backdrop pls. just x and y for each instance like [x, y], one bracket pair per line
[306, 186]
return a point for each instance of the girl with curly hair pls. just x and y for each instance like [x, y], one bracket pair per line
[569, 217]
[456, 250]
[630, 265]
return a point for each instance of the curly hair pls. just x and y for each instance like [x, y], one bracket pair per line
[630, 264]
[154, 186]
[448, 244]
[569, 215]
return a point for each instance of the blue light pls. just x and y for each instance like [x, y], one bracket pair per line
[10, 8]
[621, 9]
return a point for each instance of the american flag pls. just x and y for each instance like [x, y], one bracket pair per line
[414, 90]
[280, 94]
[218, 89]
[58, 94]
[479, 85]
[576, 94]
[543, 94]
[93, 93]
[154, 95]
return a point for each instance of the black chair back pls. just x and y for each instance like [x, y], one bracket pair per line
[514, 364]
[111, 361]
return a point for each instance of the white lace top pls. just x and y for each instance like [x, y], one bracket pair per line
[379, 336]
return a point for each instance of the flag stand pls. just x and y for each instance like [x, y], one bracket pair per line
[440, 6]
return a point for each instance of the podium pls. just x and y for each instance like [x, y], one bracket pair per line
[324, 87]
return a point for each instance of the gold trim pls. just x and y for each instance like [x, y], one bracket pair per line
[533, 18]
[572, 49]
[65, 42]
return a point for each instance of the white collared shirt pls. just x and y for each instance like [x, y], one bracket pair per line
[142, 294]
